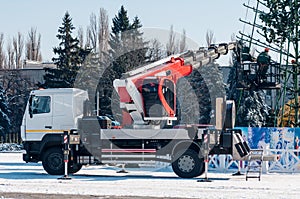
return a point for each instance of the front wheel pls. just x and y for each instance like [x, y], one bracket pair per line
[187, 164]
[53, 161]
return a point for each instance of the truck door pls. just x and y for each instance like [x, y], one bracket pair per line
[39, 117]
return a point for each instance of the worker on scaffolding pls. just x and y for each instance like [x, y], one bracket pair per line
[246, 56]
[263, 61]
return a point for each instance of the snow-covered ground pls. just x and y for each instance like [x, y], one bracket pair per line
[10, 147]
[19, 177]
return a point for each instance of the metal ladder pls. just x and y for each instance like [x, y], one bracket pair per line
[255, 161]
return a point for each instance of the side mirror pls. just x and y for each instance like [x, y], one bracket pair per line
[30, 106]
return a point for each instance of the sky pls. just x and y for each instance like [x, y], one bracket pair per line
[195, 16]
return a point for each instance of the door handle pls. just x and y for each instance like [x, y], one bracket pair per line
[48, 127]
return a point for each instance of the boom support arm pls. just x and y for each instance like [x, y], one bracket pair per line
[148, 93]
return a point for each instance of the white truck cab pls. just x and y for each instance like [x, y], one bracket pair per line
[52, 111]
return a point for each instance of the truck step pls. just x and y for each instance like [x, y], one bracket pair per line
[253, 171]
[255, 160]
[258, 177]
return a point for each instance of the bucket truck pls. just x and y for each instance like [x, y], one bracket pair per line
[147, 100]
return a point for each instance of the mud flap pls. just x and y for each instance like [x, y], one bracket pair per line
[89, 129]
[240, 149]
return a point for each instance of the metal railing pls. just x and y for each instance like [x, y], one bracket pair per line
[288, 162]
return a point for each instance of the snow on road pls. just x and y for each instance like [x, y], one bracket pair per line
[19, 177]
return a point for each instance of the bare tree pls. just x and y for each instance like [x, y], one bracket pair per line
[2, 54]
[210, 37]
[93, 30]
[17, 88]
[10, 56]
[88, 38]
[80, 35]
[182, 43]
[18, 45]
[103, 34]
[233, 37]
[171, 45]
[155, 50]
[97, 33]
[33, 46]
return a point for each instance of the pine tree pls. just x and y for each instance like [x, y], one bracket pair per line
[252, 110]
[70, 57]
[198, 104]
[4, 112]
[128, 51]
[213, 81]
[197, 93]
[282, 28]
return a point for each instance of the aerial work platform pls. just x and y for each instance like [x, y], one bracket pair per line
[248, 76]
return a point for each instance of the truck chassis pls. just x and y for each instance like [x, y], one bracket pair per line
[185, 147]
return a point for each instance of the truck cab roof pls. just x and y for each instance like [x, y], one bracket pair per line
[56, 91]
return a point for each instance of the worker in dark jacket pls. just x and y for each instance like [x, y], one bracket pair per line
[263, 61]
[246, 54]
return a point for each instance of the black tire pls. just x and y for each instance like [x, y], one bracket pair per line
[202, 169]
[53, 161]
[74, 168]
[187, 164]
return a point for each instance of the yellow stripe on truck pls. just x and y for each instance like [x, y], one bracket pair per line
[44, 131]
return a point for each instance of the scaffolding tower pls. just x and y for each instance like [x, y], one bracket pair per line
[282, 83]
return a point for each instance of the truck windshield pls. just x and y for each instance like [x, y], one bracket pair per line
[40, 104]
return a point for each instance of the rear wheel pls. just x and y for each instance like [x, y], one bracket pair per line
[187, 164]
[74, 168]
[202, 168]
